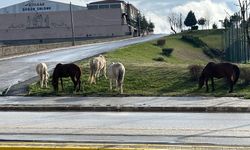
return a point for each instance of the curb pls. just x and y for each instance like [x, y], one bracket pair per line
[82, 146]
[80, 108]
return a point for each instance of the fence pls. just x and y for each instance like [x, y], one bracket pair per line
[235, 45]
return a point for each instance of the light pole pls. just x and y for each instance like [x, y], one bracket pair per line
[72, 25]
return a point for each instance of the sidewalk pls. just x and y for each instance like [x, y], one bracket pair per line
[126, 104]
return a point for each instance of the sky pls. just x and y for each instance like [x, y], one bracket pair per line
[158, 11]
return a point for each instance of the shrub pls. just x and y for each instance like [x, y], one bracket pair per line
[159, 58]
[208, 52]
[161, 42]
[213, 53]
[195, 71]
[245, 75]
[167, 51]
[197, 42]
[194, 28]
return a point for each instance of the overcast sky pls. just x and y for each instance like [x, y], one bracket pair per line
[158, 10]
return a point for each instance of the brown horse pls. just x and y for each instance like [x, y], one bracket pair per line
[229, 71]
[66, 70]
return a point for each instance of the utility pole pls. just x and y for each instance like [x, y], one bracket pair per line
[72, 25]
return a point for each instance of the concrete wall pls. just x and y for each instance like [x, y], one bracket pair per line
[53, 25]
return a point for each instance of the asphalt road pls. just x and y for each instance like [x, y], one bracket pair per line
[160, 128]
[15, 70]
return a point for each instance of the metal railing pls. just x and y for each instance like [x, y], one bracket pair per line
[235, 45]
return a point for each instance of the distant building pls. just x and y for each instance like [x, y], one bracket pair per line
[44, 19]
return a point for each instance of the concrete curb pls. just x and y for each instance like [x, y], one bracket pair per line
[96, 146]
[80, 108]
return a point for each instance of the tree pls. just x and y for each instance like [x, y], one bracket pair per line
[244, 4]
[235, 19]
[151, 27]
[175, 21]
[144, 25]
[202, 22]
[190, 19]
[215, 26]
[227, 23]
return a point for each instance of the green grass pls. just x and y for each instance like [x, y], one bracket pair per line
[147, 77]
[213, 38]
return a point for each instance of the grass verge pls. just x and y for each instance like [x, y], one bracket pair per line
[147, 77]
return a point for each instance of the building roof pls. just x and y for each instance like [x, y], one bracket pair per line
[107, 2]
[30, 6]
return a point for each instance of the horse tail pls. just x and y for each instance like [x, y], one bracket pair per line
[236, 74]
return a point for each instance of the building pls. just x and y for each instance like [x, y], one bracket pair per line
[45, 19]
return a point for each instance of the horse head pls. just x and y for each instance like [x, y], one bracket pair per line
[55, 84]
[201, 81]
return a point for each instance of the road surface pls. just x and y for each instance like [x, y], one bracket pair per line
[160, 128]
[13, 71]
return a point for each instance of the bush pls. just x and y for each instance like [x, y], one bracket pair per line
[194, 28]
[208, 52]
[197, 42]
[160, 58]
[167, 51]
[195, 72]
[245, 75]
[161, 42]
[213, 53]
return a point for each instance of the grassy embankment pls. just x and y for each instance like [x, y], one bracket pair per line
[147, 77]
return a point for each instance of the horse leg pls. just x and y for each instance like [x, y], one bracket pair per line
[62, 84]
[95, 77]
[74, 82]
[231, 84]
[78, 83]
[212, 80]
[41, 81]
[116, 84]
[110, 84]
[121, 88]
[105, 72]
[207, 85]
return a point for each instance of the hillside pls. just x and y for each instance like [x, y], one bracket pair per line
[150, 73]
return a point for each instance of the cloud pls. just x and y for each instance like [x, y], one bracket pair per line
[161, 24]
[213, 11]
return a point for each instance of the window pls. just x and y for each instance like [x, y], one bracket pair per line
[93, 7]
[103, 6]
[115, 6]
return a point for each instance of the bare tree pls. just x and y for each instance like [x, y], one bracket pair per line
[175, 22]
[244, 4]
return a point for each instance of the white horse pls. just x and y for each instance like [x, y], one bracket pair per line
[42, 71]
[97, 64]
[116, 72]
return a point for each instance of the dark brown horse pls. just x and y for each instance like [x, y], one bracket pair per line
[67, 70]
[221, 70]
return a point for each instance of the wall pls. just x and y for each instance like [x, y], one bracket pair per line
[50, 25]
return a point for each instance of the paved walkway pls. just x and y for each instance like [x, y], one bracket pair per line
[134, 104]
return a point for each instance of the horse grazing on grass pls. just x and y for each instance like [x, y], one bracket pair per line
[229, 71]
[67, 70]
[42, 71]
[97, 64]
[116, 71]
